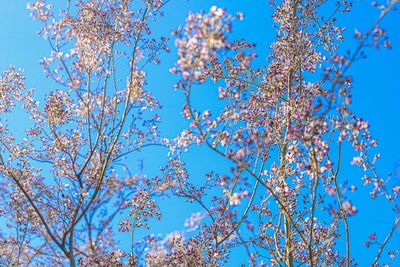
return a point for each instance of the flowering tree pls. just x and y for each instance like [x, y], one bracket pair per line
[282, 127]
[65, 181]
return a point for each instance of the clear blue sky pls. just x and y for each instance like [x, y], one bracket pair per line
[376, 95]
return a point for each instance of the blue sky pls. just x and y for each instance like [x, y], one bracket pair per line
[376, 94]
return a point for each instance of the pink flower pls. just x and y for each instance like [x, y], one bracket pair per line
[349, 208]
